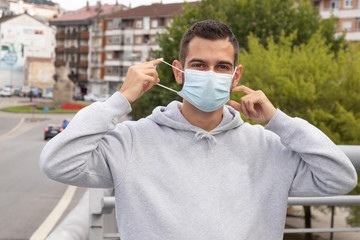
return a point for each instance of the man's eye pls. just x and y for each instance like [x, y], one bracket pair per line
[224, 67]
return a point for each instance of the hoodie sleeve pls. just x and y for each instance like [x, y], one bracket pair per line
[80, 154]
[323, 168]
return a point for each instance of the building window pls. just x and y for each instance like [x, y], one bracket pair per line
[146, 21]
[138, 40]
[109, 55]
[138, 24]
[154, 23]
[346, 25]
[109, 25]
[153, 40]
[357, 25]
[335, 5]
[348, 3]
[128, 40]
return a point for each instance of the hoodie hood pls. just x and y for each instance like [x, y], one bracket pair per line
[170, 116]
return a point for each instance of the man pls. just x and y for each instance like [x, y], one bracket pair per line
[195, 170]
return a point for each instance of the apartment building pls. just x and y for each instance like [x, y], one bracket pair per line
[73, 41]
[347, 12]
[125, 38]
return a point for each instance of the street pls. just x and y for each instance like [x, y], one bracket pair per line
[27, 196]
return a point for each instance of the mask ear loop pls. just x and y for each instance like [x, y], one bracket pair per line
[160, 85]
[233, 75]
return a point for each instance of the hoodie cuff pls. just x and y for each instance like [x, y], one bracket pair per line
[118, 104]
[281, 124]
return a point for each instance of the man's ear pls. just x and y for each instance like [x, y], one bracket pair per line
[178, 74]
[237, 75]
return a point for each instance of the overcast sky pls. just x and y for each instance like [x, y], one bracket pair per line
[76, 4]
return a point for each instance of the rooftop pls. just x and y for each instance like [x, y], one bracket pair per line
[157, 9]
[84, 13]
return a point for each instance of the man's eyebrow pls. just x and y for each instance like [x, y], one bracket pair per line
[197, 60]
[226, 63]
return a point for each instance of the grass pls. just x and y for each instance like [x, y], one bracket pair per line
[29, 109]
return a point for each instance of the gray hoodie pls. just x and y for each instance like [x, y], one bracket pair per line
[173, 180]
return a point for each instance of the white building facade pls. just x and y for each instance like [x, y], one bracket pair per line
[22, 36]
[348, 14]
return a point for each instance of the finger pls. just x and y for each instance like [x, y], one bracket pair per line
[151, 72]
[239, 107]
[243, 89]
[234, 105]
[156, 61]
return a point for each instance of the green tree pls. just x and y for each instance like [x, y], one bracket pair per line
[310, 82]
[262, 18]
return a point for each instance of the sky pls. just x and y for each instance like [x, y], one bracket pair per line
[70, 5]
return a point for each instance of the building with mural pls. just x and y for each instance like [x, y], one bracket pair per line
[22, 36]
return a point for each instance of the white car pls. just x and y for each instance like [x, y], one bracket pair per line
[5, 92]
[89, 97]
[101, 97]
[96, 97]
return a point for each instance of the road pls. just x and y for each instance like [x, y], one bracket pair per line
[27, 196]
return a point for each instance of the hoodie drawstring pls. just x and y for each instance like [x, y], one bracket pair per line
[209, 137]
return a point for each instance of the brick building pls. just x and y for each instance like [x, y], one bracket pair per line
[346, 11]
[73, 41]
[125, 38]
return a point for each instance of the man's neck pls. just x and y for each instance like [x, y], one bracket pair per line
[205, 120]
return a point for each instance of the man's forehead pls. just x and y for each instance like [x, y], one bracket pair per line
[205, 48]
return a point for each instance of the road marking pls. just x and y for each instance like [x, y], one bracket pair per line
[22, 120]
[45, 228]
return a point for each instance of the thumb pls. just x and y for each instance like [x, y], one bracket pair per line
[234, 104]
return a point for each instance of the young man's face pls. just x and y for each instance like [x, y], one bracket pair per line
[206, 55]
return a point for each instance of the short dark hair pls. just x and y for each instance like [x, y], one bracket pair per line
[208, 29]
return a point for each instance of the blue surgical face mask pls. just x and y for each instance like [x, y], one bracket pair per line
[206, 90]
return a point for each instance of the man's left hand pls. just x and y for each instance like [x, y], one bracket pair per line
[254, 105]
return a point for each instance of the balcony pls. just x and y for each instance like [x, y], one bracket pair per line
[59, 63]
[60, 49]
[83, 64]
[71, 35]
[60, 35]
[71, 50]
[83, 78]
[84, 49]
[84, 35]
[73, 64]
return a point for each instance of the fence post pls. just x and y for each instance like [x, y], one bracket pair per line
[96, 230]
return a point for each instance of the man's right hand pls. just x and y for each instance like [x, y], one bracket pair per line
[139, 79]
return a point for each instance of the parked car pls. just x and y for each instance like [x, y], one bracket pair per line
[89, 97]
[48, 95]
[64, 123]
[52, 130]
[5, 92]
[101, 97]
[96, 97]
[78, 96]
